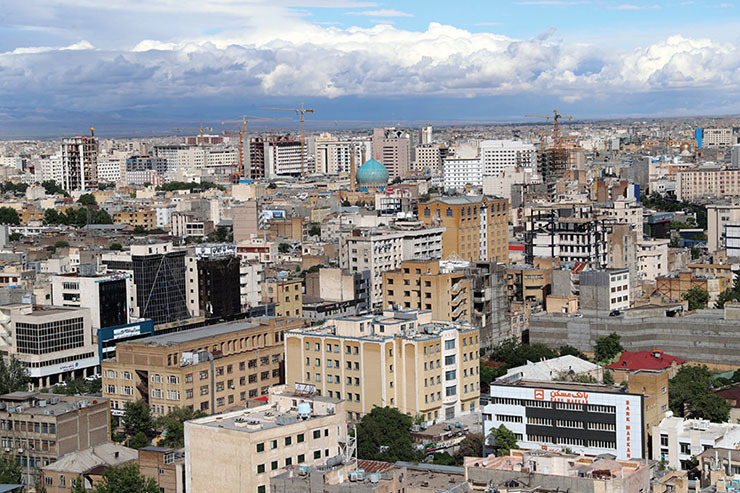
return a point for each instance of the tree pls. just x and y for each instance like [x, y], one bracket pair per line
[139, 230]
[15, 237]
[608, 377]
[513, 354]
[8, 215]
[383, 434]
[283, 248]
[137, 418]
[221, 234]
[314, 230]
[570, 350]
[444, 459]
[608, 347]
[736, 376]
[10, 471]
[697, 298]
[116, 246]
[61, 244]
[77, 386]
[78, 485]
[13, 375]
[138, 441]
[690, 395]
[346, 203]
[471, 446]
[51, 188]
[87, 199]
[173, 426]
[126, 478]
[504, 439]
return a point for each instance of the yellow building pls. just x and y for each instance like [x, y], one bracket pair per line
[240, 451]
[286, 295]
[146, 218]
[476, 228]
[422, 285]
[174, 370]
[402, 359]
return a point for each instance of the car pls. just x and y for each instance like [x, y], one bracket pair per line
[615, 313]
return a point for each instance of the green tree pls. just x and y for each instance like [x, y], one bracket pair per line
[51, 188]
[77, 386]
[138, 441]
[13, 375]
[15, 237]
[51, 216]
[10, 471]
[283, 248]
[736, 376]
[137, 418]
[690, 394]
[504, 440]
[710, 406]
[444, 459]
[471, 446]
[8, 215]
[173, 426]
[383, 434]
[126, 479]
[78, 485]
[489, 373]
[697, 298]
[315, 229]
[221, 234]
[570, 350]
[61, 244]
[139, 230]
[513, 354]
[608, 347]
[87, 199]
[116, 246]
[608, 377]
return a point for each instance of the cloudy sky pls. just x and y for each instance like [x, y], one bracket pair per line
[128, 64]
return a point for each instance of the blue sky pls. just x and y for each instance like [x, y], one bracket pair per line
[139, 65]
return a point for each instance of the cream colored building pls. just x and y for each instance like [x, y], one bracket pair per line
[239, 451]
[719, 216]
[697, 183]
[401, 359]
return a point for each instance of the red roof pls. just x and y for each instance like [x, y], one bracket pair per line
[645, 360]
[516, 248]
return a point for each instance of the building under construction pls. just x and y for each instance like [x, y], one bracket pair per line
[274, 155]
[80, 163]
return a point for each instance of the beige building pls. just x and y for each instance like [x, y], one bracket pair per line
[286, 295]
[146, 218]
[422, 285]
[476, 228]
[87, 465]
[715, 183]
[239, 451]
[166, 466]
[175, 370]
[37, 429]
[719, 216]
[427, 369]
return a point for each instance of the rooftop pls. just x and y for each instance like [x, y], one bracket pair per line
[45, 404]
[107, 454]
[551, 369]
[583, 387]
[645, 360]
[190, 335]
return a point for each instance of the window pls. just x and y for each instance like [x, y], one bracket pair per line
[260, 469]
[317, 454]
[449, 360]
[316, 434]
[301, 459]
[260, 447]
[451, 375]
[450, 344]
[262, 489]
[273, 444]
[300, 438]
[273, 465]
[288, 441]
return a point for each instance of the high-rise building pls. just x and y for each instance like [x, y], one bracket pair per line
[334, 156]
[426, 134]
[219, 286]
[405, 359]
[476, 228]
[105, 295]
[274, 155]
[80, 163]
[459, 172]
[718, 137]
[498, 155]
[392, 148]
[427, 157]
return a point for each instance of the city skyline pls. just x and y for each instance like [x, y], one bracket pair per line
[140, 66]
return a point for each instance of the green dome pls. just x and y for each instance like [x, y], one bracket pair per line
[372, 173]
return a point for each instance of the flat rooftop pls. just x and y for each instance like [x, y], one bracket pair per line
[34, 403]
[583, 387]
[190, 335]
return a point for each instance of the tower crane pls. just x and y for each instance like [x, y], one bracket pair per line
[92, 131]
[202, 129]
[555, 117]
[301, 112]
[242, 133]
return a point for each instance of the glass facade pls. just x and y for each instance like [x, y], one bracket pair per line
[49, 337]
[160, 286]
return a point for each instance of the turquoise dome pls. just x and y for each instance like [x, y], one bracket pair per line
[372, 173]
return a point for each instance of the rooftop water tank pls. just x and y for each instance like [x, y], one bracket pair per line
[304, 410]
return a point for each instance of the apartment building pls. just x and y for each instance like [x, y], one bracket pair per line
[54, 342]
[37, 429]
[79, 164]
[719, 218]
[605, 290]
[498, 155]
[717, 137]
[476, 228]
[381, 250]
[460, 172]
[712, 183]
[240, 451]
[144, 217]
[211, 369]
[286, 294]
[428, 156]
[652, 259]
[166, 466]
[425, 285]
[404, 359]
[591, 419]
[676, 440]
[391, 147]
[85, 465]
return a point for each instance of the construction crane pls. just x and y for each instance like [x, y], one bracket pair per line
[202, 129]
[301, 112]
[555, 117]
[92, 131]
[242, 134]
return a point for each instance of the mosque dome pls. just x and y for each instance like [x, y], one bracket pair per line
[372, 173]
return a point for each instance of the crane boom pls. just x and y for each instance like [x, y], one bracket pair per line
[242, 133]
[301, 112]
[555, 117]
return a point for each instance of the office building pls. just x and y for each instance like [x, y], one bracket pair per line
[499, 155]
[219, 286]
[240, 451]
[427, 157]
[476, 227]
[79, 165]
[334, 292]
[54, 342]
[334, 156]
[38, 429]
[590, 419]
[106, 296]
[501, 185]
[404, 359]
[144, 217]
[271, 156]
[211, 369]
[142, 169]
[379, 250]
[426, 285]
[722, 218]
[707, 183]
[718, 137]
[427, 135]
[392, 148]
[460, 172]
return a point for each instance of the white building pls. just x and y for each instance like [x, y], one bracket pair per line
[106, 296]
[588, 419]
[79, 163]
[652, 259]
[381, 251]
[624, 211]
[497, 155]
[109, 168]
[677, 439]
[717, 137]
[553, 369]
[459, 172]
[719, 217]
[333, 156]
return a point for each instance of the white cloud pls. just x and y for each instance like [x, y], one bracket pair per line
[382, 13]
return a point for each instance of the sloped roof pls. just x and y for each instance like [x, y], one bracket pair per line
[645, 360]
[99, 455]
